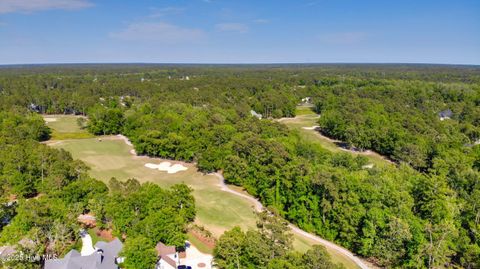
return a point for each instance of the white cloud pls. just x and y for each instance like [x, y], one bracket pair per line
[346, 38]
[232, 27]
[28, 6]
[160, 32]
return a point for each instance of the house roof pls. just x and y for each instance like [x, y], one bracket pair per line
[169, 260]
[97, 260]
[163, 251]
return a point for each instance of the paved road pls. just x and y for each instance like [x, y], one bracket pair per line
[295, 229]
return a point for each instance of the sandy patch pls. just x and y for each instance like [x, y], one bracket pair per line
[52, 142]
[368, 166]
[127, 141]
[47, 120]
[167, 167]
[311, 128]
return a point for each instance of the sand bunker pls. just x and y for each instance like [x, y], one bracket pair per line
[127, 141]
[310, 128]
[167, 167]
[50, 119]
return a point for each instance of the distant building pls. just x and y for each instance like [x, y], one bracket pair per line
[35, 108]
[104, 257]
[255, 114]
[445, 114]
[307, 100]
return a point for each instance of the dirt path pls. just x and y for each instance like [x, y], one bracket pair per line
[295, 229]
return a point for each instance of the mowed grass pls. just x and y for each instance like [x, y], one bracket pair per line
[305, 110]
[311, 119]
[65, 127]
[202, 247]
[217, 210]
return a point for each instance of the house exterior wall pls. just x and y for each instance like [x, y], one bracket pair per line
[163, 265]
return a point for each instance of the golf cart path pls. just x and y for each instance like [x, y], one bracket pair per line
[259, 207]
[316, 131]
[295, 229]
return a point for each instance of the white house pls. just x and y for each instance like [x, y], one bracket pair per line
[307, 100]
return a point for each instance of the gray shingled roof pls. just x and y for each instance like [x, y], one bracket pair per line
[98, 260]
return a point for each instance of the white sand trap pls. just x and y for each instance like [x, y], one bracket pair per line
[167, 167]
[176, 168]
[50, 119]
[311, 128]
[127, 141]
[151, 165]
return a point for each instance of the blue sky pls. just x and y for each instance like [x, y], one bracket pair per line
[222, 31]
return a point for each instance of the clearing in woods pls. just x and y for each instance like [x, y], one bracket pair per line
[217, 210]
[306, 119]
[65, 127]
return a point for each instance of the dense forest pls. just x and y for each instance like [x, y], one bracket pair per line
[270, 246]
[43, 191]
[424, 212]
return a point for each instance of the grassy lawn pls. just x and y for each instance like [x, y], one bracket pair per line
[311, 119]
[94, 236]
[304, 110]
[199, 244]
[217, 210]
[65, 127]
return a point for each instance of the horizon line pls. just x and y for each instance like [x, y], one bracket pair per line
[238, 63]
